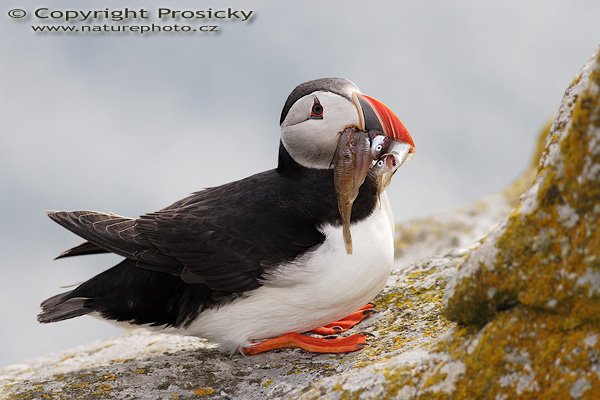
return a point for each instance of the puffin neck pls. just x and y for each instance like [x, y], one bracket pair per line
[287, 166]
[316, 187]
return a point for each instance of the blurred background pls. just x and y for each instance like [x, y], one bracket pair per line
[130, 123]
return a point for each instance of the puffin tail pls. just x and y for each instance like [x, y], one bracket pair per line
[62, 306]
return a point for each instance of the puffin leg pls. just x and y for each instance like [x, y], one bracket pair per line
[345, 323]
[312, 344]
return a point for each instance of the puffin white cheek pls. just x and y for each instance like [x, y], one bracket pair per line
[311, 134]
[310, 143]
[339, 117]
[321, 131]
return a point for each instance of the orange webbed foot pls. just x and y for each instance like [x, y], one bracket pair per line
[308, 343]
[345, 323]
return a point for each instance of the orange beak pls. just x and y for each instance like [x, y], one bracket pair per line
[374, 115]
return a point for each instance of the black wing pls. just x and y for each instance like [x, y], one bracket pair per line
[226, 237]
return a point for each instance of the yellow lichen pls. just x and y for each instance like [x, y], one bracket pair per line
[102, 390]
[528, 354]
[267, 382]
[78, 385]
[109, 377]
[434, 379]
[203, 391]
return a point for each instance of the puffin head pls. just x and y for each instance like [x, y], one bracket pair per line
[317, 111]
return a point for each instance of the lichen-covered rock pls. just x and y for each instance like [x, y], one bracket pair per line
[535, 279]
[546, 254]
[522, 306]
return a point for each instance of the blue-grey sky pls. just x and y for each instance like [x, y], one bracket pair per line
[130, 123]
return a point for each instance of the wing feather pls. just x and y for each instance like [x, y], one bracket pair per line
[226, 237]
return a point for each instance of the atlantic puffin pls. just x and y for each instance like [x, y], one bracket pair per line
[252, 264]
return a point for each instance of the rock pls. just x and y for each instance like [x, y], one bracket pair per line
[535, 279]
[546, 254]
[515, 315]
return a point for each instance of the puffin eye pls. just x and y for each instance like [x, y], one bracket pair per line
[317, 110]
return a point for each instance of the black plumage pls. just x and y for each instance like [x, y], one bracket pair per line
[83, 249]
[204, 250]
[127, 293]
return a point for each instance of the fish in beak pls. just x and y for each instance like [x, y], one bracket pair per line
[352, 162]
[387, 164]
[381, 136]
[384, 166]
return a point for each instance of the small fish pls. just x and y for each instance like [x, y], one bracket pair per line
[352, 161]
[384, 167]
[379, 144]
[398, 154]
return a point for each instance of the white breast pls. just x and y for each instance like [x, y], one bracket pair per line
[314, 290]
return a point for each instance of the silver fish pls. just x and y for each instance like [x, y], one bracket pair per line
[379, 144]
[385, 166]
[398, 154]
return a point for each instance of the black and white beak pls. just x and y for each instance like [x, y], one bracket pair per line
[374, 115]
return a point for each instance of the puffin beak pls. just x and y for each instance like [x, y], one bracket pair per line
[374, 115]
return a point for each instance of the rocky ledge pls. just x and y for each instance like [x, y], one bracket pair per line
[513, 314]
